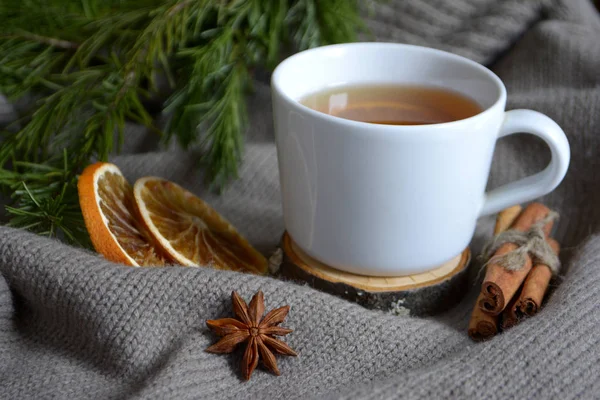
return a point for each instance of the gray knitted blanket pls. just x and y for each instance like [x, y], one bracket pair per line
[73, 325]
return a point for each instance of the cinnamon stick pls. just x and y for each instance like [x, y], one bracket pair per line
[510, 315]
[483, 326]
[536, 285]
[500, 285]
[506, 218]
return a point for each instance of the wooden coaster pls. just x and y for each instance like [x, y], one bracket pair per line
[421, 294]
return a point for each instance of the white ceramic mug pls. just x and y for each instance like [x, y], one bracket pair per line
[391, 200]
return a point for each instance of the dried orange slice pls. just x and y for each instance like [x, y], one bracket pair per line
[109, 211]
[190, 231]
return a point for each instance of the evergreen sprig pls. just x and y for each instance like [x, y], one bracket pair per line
[84, 68]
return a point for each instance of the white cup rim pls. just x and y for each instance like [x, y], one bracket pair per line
[276, 82]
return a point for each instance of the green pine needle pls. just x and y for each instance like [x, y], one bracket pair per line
[45, 200]
[86, 67]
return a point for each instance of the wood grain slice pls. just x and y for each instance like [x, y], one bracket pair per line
[421, 294]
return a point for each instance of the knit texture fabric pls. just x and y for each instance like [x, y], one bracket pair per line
[73, 325]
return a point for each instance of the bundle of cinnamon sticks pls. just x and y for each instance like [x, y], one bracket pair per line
[509, 294]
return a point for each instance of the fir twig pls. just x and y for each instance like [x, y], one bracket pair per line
[46, 201]
[88, 66]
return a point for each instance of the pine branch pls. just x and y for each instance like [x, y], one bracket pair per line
[46, 200]
[320, 23]
[87, 67]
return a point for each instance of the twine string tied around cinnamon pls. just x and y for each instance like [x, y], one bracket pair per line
[532, 242]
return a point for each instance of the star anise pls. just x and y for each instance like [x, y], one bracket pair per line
[251, 327]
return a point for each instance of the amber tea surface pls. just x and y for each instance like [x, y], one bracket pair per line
[393, 104]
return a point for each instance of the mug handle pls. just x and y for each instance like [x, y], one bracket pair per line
[533, 186]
